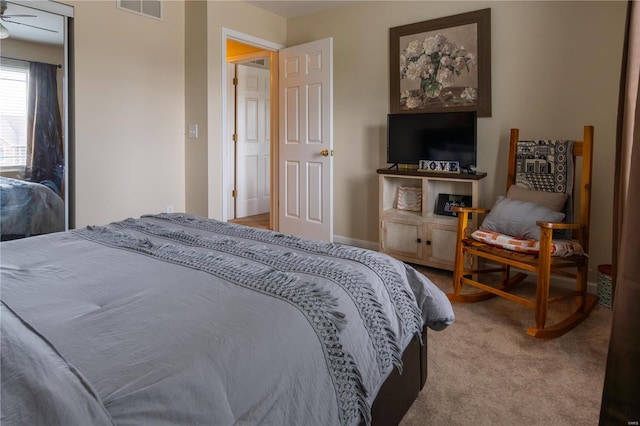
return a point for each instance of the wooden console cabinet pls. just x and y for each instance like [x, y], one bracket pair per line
[422, 237]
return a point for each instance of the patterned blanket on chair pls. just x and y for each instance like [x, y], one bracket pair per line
[545, 165]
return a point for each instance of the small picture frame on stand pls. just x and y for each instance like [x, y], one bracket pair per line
[446, 203]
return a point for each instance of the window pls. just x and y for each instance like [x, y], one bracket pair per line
[14, 89]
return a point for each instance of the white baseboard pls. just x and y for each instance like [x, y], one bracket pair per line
[338, 239]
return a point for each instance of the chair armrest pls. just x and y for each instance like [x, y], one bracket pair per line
[553, 225]
[463, 219]
[459, 209]
[547, 228]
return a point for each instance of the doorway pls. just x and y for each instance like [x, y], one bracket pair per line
[249, 168]
[301, 136]
[250, 139]
[34, 158]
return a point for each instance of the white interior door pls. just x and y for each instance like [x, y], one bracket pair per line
[306, 140]
[253, 145]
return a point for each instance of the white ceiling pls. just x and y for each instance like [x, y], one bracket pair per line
[293, 8]
[22, 27]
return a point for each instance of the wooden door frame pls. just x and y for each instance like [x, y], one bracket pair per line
[271, 49]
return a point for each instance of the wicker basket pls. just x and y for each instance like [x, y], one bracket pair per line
[604, 286]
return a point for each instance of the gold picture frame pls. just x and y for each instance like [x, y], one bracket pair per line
[442, 64]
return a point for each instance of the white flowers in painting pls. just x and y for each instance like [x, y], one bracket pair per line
[435, 62]
[469, 94]
[410, 101]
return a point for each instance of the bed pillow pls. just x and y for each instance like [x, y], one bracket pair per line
[552, 200]
[518, 218]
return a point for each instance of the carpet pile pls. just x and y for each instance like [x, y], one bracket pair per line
[485, 370]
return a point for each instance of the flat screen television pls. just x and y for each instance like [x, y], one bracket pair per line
[440, 136]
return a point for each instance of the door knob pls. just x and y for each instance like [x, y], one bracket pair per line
[324, 152]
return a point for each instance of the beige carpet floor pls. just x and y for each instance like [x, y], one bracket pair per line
[485, 370]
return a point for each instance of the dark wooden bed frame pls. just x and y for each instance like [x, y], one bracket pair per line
[399, 391]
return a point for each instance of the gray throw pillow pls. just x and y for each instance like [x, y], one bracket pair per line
[518, 218]
[551, 200]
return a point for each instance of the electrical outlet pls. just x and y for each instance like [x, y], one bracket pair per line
[169, 208]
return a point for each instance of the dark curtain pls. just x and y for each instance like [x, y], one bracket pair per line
[45, 157]
[621, 394]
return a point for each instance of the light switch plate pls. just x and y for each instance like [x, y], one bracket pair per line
[193, 130]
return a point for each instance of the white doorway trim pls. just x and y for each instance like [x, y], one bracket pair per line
[246, 39]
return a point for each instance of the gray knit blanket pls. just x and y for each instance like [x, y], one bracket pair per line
[174, 319]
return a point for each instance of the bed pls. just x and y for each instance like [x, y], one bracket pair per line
[174, 319]
[29, 208]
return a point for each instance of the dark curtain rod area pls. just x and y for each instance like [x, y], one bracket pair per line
[25, 60]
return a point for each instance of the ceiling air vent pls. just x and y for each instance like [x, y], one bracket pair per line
[149, 8]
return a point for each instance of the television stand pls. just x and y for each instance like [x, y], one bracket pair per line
[423, 237]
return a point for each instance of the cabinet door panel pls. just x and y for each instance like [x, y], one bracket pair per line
[402, 238]
[440, 245]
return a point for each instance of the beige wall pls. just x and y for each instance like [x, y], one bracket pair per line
[129, 111]
[130, 97]
[555, 68]
[196, 112]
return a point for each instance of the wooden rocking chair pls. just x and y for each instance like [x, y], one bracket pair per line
[493, 252]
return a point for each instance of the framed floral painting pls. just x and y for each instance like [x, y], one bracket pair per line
[442, 65]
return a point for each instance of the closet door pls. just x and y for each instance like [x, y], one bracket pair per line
[34, 158]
